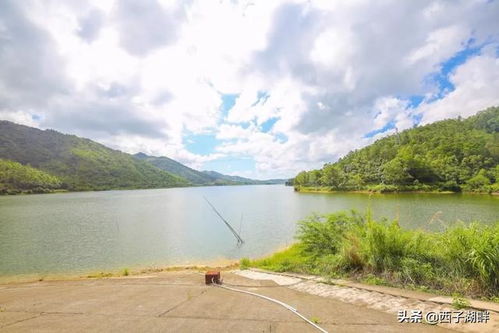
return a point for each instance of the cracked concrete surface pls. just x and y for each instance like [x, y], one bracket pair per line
[180, 302]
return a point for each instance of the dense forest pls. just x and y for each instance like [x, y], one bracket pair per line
[15, 177]
[450, 155]
[50, 160]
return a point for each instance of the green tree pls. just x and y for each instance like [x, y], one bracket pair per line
[479, 181]
[301, 178]
[395, 172]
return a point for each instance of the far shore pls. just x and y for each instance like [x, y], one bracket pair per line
[319, 189]
[58, 191]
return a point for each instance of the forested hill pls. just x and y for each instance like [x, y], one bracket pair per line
[449, 155]
[167, 164]
[202, 177]
[242, 180]
[50, 160]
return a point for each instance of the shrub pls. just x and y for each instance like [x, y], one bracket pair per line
[244, 263]
[323, 235]
[494, 188]
[383, 188]
[473, 252]
[351, 255]
[460, 302]
[385, 245]
[416, 272]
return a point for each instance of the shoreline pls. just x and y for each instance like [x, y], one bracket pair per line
[221, 264]
[114, 273]
[327, 191]
[2, 194]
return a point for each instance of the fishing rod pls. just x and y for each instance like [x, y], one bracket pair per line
[239, 239]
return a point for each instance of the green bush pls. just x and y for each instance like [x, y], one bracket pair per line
[459, 302]
[383, 188]
[494, 188]
[323, 235]
[384, 245]
[244, 263]
[478, 182]
[416, 272]
[474, 252]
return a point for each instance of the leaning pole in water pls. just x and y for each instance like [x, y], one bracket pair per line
[239, 239]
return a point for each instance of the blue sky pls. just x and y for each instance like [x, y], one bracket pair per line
[261, 89]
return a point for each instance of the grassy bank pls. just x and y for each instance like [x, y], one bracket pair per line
[463, 259]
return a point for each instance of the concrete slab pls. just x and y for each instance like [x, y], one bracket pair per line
[10, 318]
[178, 302]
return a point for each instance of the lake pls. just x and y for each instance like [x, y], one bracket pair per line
[110, 230]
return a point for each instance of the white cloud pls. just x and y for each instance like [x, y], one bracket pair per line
[439, 45]
[334, 48]
[476, 88]
[142, 76]
[20, 117]
[388, 108]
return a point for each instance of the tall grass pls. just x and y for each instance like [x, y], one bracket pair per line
[462, 258]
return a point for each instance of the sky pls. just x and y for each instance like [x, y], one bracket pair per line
[260, 88]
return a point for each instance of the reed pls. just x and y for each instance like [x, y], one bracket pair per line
[463, 258]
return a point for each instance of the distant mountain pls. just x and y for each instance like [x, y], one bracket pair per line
[233, 179]
[242, 180]
[76, 163]
[174, 167]
[201, 177]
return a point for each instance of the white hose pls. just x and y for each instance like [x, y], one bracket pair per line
[289, 307]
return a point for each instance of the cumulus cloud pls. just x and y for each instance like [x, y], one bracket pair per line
[90, 25]
[99, 118]
[146, 25]
[31, 70]
[476, 88]
[311, 79]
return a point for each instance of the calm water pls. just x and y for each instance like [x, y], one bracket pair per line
[91, 231]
